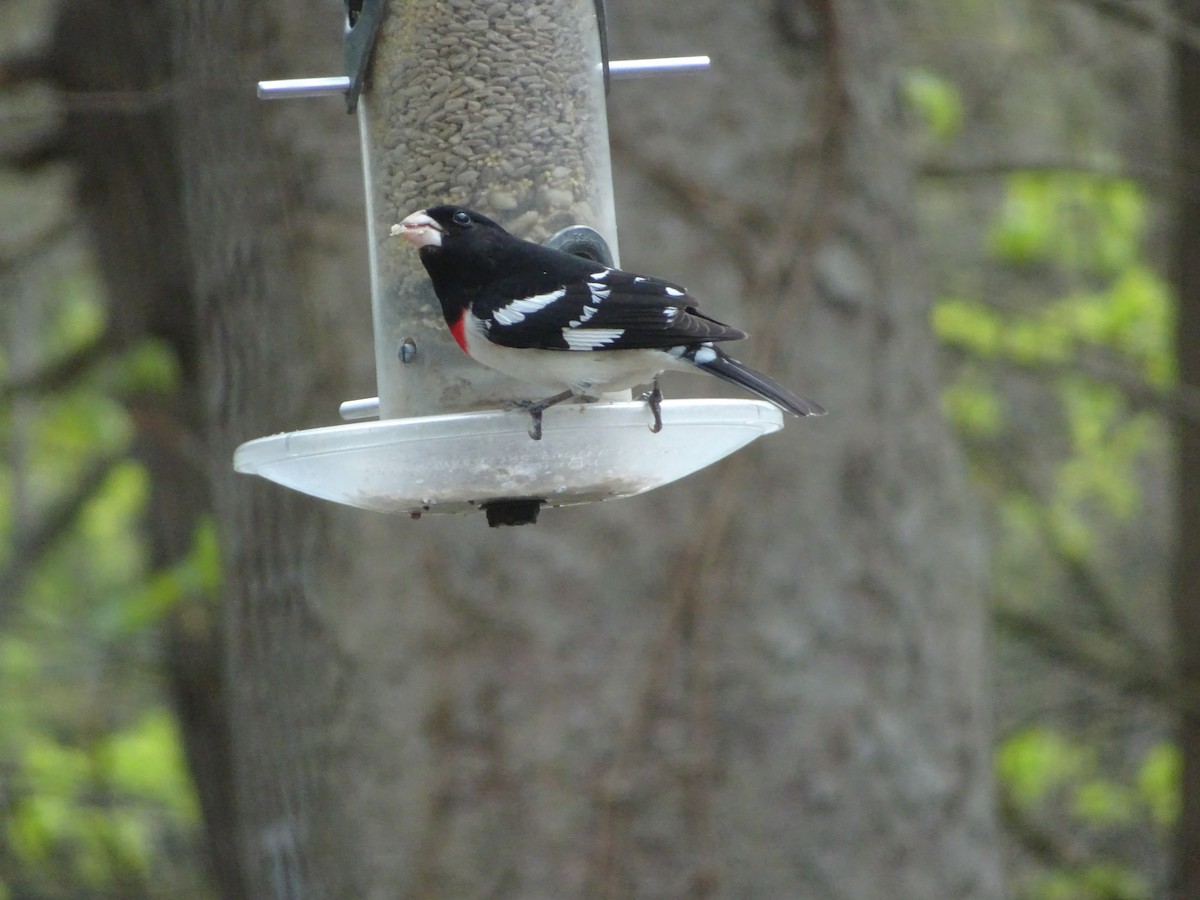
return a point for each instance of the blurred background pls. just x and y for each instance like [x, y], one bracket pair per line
[936, 644]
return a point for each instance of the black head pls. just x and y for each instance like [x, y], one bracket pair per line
[448, 228]
[462, 251]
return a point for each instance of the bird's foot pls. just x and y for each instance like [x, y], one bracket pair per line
[535, 408]
[653, 398]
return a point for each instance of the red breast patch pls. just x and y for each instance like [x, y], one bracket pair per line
[458, 329]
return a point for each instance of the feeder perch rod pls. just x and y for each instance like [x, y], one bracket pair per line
[367, 408]
[303, 87]
[620, 69]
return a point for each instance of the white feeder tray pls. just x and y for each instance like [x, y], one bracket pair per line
[466, 461]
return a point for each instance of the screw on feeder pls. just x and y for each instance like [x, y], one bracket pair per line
[408, 351]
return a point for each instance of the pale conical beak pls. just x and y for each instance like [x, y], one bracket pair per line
[420, 230]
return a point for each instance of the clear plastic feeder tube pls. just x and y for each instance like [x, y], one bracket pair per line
[492, 105]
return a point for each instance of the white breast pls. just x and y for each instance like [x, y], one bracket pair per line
[586, 372]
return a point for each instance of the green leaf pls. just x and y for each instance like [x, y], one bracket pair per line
[973, 407]
[1106, 445]
[204, 562]
[969, 325]
[936, 100]
[34, 826]
[1089, 223]
[1033, 762]
[1141, 323]
[1158, 783]
[1103, 881]
[1041, 339]
[1023, 232]
[196, 575]
[108, 528]
[52, 768]
[145, 761]
[149, 367]
[1071, 533]
[80, 314]
[1103, 802]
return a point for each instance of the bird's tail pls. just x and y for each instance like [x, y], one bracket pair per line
[716, 362]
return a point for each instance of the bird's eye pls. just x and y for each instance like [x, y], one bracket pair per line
[461, 218]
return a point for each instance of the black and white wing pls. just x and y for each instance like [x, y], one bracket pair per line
[597, 309]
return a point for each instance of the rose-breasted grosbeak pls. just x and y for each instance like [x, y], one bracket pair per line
[556, 321]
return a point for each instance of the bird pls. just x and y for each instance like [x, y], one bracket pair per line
[567, 323]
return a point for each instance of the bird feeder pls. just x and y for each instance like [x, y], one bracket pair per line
[501, 107]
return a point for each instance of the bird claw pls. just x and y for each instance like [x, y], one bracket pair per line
[535, 408]
[653, 399]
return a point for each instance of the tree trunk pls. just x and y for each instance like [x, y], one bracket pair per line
[763, 681]
[1186, 587]
[114, 60]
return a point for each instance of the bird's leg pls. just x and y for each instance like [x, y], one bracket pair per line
[654, 399]
[535, 408]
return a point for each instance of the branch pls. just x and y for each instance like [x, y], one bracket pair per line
[1088, 653]
[1002, 168]
[31, 546]
[22, 68]
[1085, 584]
[1181, 403]
[152, 98]
[1136, 654]
[34, 246]
[724, 214]
[1051, 847]
[1147, 18]
[35, 152]
[62, 372]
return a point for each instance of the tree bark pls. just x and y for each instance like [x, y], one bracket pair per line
[764, 681]
[1186, 583]
[113, 61]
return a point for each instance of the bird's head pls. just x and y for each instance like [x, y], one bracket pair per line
[444, 226]
[460, 249]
